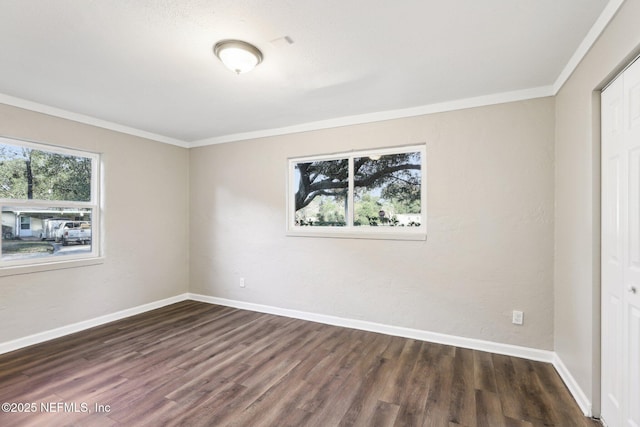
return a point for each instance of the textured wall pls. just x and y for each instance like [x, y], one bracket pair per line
[577, 218]
[490, 228]
[146, 241]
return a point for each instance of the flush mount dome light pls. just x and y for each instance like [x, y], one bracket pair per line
[237, 55]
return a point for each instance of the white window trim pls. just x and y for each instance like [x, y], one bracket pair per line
[31, 265]
[357, 232]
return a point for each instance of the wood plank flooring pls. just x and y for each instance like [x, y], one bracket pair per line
[196, 364]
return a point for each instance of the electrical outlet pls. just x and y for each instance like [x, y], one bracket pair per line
[242, 282]
[518, 317]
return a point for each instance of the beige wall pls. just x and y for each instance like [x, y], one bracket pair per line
[490, 228]
[577, 217]
[491, 224]
[146, 239]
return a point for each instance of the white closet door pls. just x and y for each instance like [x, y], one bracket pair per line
[612, 248]
[621, 250]
[632, 247]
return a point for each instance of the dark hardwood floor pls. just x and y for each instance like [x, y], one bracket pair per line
[196, 364]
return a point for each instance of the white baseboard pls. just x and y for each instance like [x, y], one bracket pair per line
[86, 324]
[493, 347]
[471, 343]
[574, 388]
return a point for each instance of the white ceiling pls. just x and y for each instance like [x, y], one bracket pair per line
[147, 66]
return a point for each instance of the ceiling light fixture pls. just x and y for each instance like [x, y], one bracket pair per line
[237, 55]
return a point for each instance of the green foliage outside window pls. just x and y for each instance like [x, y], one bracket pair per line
[27, 173]
[387, 191]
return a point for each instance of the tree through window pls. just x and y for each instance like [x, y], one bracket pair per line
[359, 190]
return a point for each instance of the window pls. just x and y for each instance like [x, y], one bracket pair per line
[49, 204]
[364, 194]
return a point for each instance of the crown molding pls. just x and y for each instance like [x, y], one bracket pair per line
[88, 120]
[538, 92]
[592, 36]
[460, 104]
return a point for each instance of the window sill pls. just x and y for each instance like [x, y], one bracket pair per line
[49, 266]
[338, 233]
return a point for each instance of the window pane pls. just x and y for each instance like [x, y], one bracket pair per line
[387, 190]
[35, 233]
[28, 173]
[321, 194]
